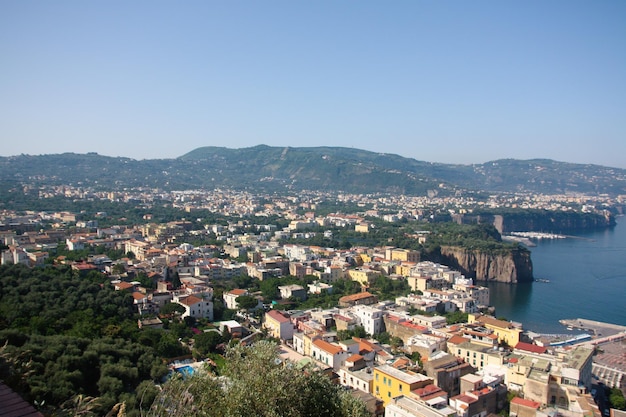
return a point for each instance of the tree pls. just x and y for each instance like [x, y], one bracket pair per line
[456, 317]
[416, 357]
[616, 398]
[269, 288]
[358, 331]
[396, 342]
[247, 302]
[383, 338]
[171, 308]
[206, 342]
[257, 382]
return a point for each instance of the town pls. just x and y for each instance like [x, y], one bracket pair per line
[409, 337]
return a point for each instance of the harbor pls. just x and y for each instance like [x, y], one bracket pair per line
[597, 328]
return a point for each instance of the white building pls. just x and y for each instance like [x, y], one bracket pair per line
[361, 379]
[370, 317]
[407, 407]
[230, 298]
[328, 353]
[320, 287]
[197, 307]
[297, 253]
[432, 322]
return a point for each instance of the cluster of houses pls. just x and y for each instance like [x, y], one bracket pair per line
[464, 370]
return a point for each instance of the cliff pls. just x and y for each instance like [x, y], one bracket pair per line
[511, 267]
[541, 221]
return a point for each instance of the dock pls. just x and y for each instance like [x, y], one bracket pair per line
[597, 327]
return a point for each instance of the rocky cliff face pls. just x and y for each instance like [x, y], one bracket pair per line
[542, 221]
[512, 267]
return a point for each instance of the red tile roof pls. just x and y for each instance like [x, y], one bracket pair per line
[124, 285]
[428, 390]
[529, 347]
[464, 398]
[354, 358]
[190, 300]
[327, 347]
[138, 296]
[278, 316]
[526, 403]
[457, 340]
[355, 297]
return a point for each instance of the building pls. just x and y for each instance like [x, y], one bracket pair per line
[278, 325]
[402, 255]
[197, 307]
[295, 291]
[363, 276]
[318, 287]
[359, 298]
[370, 317]
[230, 298]
[356, 375]
[521, 407]
[476, 354]
[506, 331]
[329, 354]
[390, 382]
[446, 372]
[404, 406]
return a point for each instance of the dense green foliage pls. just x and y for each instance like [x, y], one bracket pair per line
[53, 369]
[255, 382]
[616, 398]
[68, 335]
[56, 300]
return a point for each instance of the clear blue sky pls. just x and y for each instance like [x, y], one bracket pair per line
[439, 81]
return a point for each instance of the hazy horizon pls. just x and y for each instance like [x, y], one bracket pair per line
[454, 82]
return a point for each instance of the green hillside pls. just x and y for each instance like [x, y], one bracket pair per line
[276, 169]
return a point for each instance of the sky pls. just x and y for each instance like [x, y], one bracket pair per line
[440, 81]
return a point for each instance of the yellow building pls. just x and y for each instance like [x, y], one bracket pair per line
[419, 283]
[405, 255]
[390, 382]
[404, 268]
[506, 331]
[363, 276]
[365, 258]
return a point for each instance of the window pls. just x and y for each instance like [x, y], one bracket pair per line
[376, 377]
[400, 387]
[384, 380]
[389, 394]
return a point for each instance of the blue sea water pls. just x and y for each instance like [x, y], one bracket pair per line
[587, 279]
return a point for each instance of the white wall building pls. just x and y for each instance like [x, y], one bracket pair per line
[370, 317]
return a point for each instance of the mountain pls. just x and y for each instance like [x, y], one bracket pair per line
[275, 169]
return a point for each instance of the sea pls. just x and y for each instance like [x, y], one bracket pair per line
[581, 276]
